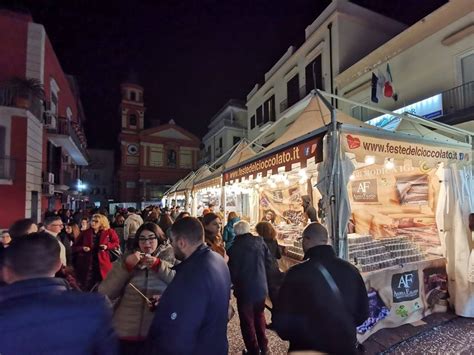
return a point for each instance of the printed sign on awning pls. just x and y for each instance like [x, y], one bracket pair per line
[298, 153]
[363, 146]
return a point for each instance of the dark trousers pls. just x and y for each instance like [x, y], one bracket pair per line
[252, 325]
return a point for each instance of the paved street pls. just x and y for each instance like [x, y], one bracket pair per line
[452, 337]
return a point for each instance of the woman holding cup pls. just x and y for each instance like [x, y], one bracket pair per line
[135, 284]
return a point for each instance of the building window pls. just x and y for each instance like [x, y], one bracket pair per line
[133, 120]
[171, 158]
[316, 67]
[252, 122]
[133, 96]
[467, 68]
[130, 184]
[269, 110]
[259, 116]
[235, 140]
[293, 87]
[220, 143]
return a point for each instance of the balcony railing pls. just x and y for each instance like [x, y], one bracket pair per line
[458, 98]
[65, 127]
[7, 168]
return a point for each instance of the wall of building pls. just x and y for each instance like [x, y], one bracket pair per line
[423, 70]
[13, 192]
[13, 38]
[355, 32]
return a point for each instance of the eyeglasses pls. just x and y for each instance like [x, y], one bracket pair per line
[144, 240]
[57, 225]
[95, 221]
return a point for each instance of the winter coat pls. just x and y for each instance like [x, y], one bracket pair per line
[132, 316]
[272, 245]
[249, 260]
[309, 314]
[131, 225]
[42, 316]
[84, 259]
[191, 317]
[229, 235]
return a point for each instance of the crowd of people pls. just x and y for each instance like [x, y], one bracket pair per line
[159, 281]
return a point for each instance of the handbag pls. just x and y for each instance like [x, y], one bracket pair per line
[115, 254]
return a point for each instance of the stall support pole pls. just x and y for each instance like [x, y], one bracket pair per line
[340, 242]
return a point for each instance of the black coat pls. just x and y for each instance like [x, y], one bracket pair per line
[308, 313]
[191, 317]
[41, 316]
[249, 261]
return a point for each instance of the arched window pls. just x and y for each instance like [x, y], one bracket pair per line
[133, 120]
[133, 96]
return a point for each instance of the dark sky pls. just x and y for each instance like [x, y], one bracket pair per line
[190, 56]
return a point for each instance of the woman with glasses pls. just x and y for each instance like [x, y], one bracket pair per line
[92, 250]
[144, 272]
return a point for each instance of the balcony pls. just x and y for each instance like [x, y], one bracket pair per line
[458, 103]
[7, 168]
[65, 136]
[221, 124]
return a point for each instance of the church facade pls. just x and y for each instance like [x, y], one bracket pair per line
[152, 159]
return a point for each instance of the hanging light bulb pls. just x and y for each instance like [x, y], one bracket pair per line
[369, 159]
[352, 177]
[389, 164]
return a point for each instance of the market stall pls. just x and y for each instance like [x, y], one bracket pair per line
[381, 195]
[207, 191]
[172, 198]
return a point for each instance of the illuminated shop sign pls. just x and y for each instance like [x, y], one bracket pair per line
[298, 153]
[428, 108]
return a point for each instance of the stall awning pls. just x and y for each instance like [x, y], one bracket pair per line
[212, 180]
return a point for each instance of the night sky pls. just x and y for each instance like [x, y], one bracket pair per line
[190, 56]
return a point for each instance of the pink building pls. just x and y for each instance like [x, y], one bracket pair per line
[42, 143]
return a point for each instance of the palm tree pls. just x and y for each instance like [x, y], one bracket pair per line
[21, 92]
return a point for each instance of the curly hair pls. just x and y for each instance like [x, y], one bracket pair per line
[102, 221]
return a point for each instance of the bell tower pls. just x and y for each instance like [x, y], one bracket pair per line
[132, 108]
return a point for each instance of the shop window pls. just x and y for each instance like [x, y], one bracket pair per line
[133, 120]
[269, 110]
[314, 67]
[293, 87]
[252, 122]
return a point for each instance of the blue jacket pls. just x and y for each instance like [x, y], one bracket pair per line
[249, 262]
[41, 316]
[229, 235]
[191, 317]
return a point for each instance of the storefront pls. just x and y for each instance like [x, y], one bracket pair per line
[386, 197]
[207, 191]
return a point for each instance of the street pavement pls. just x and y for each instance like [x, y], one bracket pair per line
[453, 337]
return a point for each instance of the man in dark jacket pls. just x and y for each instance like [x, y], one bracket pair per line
[308, 208]
[191, 316]
[322, 300]
[39, 314]
[249, 261]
